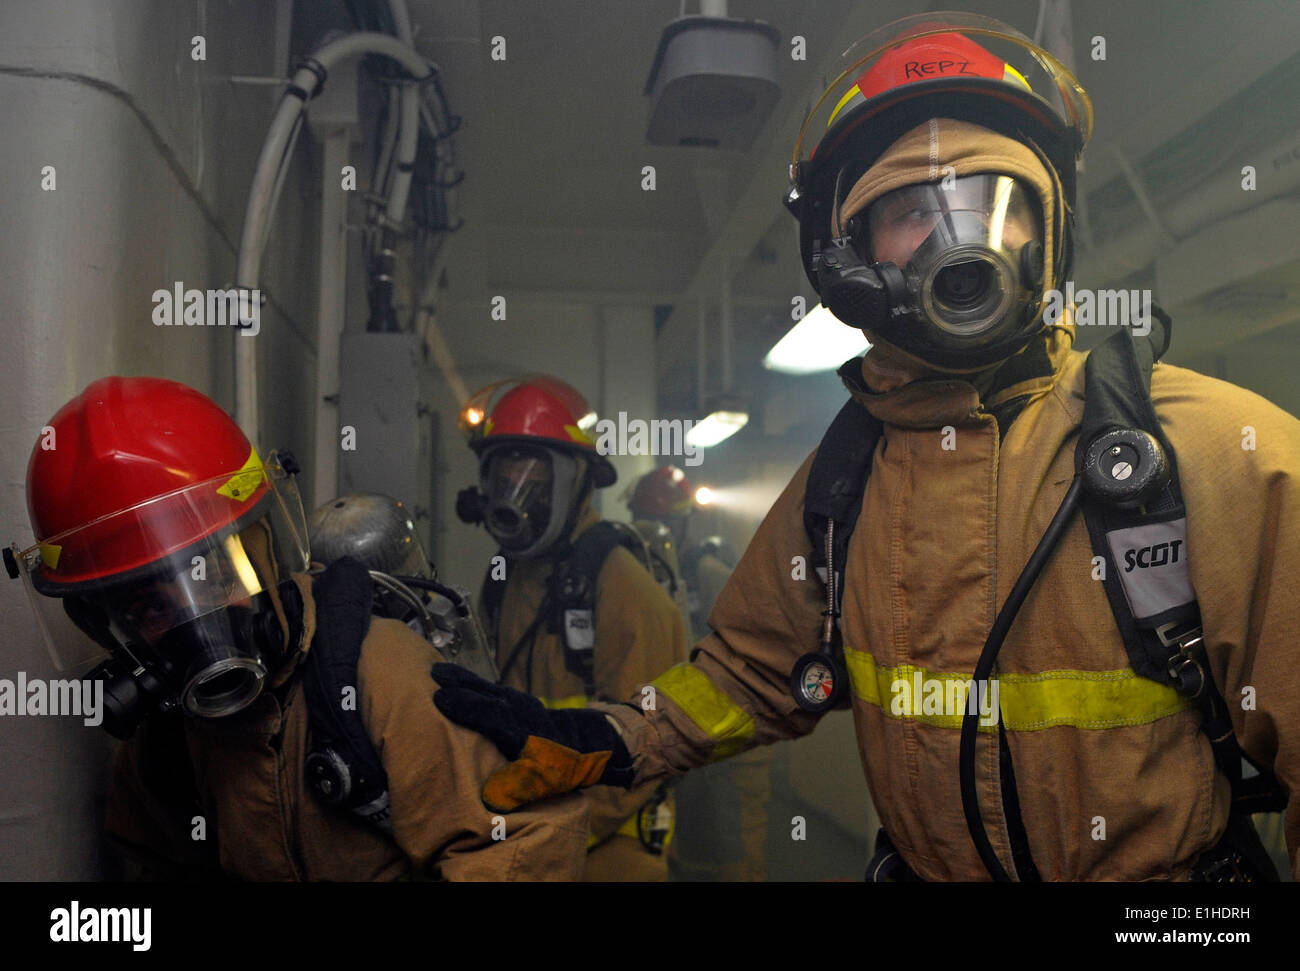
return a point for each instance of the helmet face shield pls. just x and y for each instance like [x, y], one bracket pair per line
[192, 601]
[529, 490]
[971, 252]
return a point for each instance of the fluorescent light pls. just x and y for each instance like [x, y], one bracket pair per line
[819, 342]
[718, 427]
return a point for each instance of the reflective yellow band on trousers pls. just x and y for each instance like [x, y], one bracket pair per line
[729, 725]
[1027, 702]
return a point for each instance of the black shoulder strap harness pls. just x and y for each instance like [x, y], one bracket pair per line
[569, 606]
[343, 769]
[1157, 613]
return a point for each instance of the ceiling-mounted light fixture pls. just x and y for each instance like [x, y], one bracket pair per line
[820, 341]
[717, 427]
[713, 82]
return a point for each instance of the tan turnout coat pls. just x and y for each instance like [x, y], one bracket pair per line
[942, 537]
[245, 791]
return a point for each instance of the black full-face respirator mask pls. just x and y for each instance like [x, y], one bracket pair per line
[528, 497]
[201, 640]
[201, 629]
[950, 271]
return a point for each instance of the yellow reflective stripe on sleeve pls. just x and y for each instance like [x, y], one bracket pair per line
[1027, 702]
[572, 701]
[729, 725]
[244, 483]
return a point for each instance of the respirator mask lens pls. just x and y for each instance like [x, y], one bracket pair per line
[518, 483]
[971, 253]
[221, 675]
[206, 632]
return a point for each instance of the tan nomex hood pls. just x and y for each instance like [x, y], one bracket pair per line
[940, 148]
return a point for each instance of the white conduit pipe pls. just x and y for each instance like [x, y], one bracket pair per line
[303, 85]
[409, 130]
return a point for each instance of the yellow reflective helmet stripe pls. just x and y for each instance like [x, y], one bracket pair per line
[848, 96]
[246, 481]
[729, 725]
[578, 435]
[1027, 702]
[1011, 74]
[50, 553]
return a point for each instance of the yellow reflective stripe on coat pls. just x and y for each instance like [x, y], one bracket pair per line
[572, 701]
[729, 725]
[1027, 702]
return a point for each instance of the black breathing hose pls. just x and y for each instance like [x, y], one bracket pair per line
[440, 588]
[1006, 616]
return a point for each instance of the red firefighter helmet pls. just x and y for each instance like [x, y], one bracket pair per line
[536, 410]
[154, 517]
[131, 471]
[661, 494]
[931, 65]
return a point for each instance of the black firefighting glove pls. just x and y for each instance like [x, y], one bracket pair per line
[551, 751]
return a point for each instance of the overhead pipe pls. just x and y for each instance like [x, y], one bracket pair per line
[409, 127]
[304, 84]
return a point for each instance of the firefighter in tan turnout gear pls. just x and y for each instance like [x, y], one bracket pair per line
[1067, 596]
[575, 614]
[276, 730]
